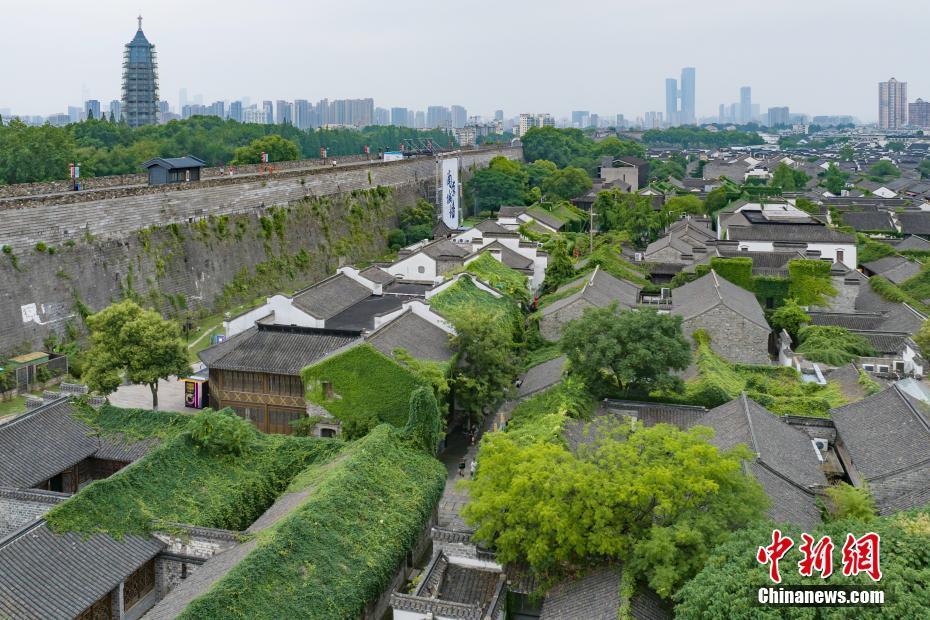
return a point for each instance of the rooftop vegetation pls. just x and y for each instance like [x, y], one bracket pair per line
[132, 424]
[777, 388]
[369, 388]
[500, 276]
[339, 549]
[464, 296]
[182, 482]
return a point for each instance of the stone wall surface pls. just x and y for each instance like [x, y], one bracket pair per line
[732, 337]
[21, 507]
[199, 248]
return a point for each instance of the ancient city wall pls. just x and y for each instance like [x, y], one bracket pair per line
[199, 249]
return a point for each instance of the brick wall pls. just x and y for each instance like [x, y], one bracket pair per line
[21, 507]
[732, 337]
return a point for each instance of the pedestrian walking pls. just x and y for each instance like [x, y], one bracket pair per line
[462, 468]
[474, 465]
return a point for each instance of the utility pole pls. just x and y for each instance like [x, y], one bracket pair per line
[591, 215]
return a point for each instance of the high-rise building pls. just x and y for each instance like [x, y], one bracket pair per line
[892, 104]
[268, 108]
[438, 116]
[115, 110]
[382, 116]
[620, 122]
[528, 121]
[686, 115]
[182, 98]
[745, 104]
[92, 109]
[140, 81]
[671, 100]
[653, 120]
[217, 108]
[399, 117]
[235, 111]
[498, 115]
[283, 113]
[411, 118]
[419, 119]
[722, 113]
[303, 111]
[75, 114]
[580, 118]
[459, 116]
[254, 114]
[778, 116]
[594, 121]
[918, 114]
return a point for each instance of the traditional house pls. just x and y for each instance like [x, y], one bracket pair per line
[163, 170]
[896, 269]
[257, 373]
[598, 289]
[884, 443]
[787, 462]
[428, 261]
[730, 314]
[419, 331]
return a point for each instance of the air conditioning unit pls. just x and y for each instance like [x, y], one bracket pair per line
[638, 256]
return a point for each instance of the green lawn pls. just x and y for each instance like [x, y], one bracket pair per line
[14, 406]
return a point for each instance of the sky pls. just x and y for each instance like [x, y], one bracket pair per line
[608, 57]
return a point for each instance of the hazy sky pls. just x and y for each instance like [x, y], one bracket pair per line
[816, 56]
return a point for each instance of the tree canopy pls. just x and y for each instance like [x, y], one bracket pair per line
[789, 179]
[632, 213]
[571, 147]
[688, 137]
[832, 345]
[275, 147]
[626, 351]
[657, 498]
[487, 361]
[883, 170]
[566, 183]
[140, 344]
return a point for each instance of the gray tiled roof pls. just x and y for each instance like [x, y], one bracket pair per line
[48, 576]
[785, 456]
[444, 249]
[650, 414]
[331, 296]
[857, 320]
[277, 349]
[788, 232]
[896, 268]
[885, 433]
[884, 342]
[377, 275]
[41, 443]
[600, 289]
[511, 211]
[915, 222]
[362, 315]
[416, 335]
[868, 220]
[542, 376]
[711, 290]
[512, 259]
[913, 242]
[491, 226]
[596, 596]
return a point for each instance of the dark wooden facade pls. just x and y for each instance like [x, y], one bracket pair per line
[269, 401]
[70, 480]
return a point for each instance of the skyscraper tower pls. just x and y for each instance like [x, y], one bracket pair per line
[671, 101]
[892, 104]
[745, 104]
[140, 81]
[686, 115]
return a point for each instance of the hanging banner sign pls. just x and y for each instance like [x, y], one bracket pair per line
[450, 192]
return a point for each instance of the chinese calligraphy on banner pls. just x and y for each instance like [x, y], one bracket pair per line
[450, 192]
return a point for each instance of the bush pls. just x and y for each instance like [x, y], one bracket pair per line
[221, 432]
[845, 501]
[832, 345]
[424, 425]
[396, 239]
[41, 246]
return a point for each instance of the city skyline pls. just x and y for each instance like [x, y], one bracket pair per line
[362, 52]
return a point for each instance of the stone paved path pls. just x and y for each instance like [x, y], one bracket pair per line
[453, 498]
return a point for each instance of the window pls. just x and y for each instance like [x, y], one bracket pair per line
[285, 385]
[868, 367]
[421, 269]
[242, 381]
[279, 420]
[139, 584]
[882, 368]
[839, 255]
[898, 366]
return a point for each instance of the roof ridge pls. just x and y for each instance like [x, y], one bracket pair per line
[752, 434]
[907, 401]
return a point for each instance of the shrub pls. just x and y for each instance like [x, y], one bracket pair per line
[424, 425]
[221, 432]
[41, 246]
[832, 345]
[845, 501]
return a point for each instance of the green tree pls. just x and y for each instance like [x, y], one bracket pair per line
[677, 206]
[276, 147]
[732, 568]
[883, 170]
[140, 344]
[31, 154]
[489, 189]
[632, 213]
[924, 168]
[616, 148]
[539, 171]
[832, 345]
[790, 317]
[847, 153]
[559, 269]
[897, 147]
[789, 179]
[626, 351]
[563, 147]
[486, 365]
[221, 432]
[845, 501]
[834, 179]
[662, 169]
[658, 499]
[716, 200]
[567, 183]
[922, 338]
[424, 424]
